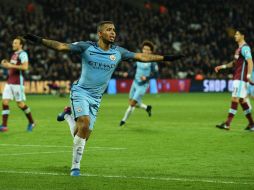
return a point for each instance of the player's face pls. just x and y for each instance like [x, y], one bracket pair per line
[238, 36]
[146, 49]
[16, 45]
[108, 33]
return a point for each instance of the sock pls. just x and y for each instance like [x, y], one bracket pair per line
[232, 112]
[78, 149]
[71, 122]
[128, 113]
[143, 106]
[248, 102]
[5, 114]
[247, 112]
[28, 113]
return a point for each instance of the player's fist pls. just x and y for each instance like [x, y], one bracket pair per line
[125, 74]
[33, 38]
[143, 78]
[217, 69]
[5, 63]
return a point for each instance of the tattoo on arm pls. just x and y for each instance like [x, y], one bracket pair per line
[148, 57]
[55, 45]
[153, 57]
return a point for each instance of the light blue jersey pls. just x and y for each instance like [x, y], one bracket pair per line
[139, 87]
[97, 65]
[145, 69]
[246, 52]
[97, 68]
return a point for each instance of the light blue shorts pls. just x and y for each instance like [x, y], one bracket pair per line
[138, 91]
[84, 105]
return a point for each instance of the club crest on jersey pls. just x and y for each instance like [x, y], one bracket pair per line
[247, 52]
[112, 57]
[79, 109]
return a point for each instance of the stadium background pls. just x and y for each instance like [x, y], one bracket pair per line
[178, 147]
[203, 30]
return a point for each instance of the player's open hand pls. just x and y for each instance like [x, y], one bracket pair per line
[173, 57]
[33, 38]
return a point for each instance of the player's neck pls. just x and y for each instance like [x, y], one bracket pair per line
[241, 43]
[103, 45]
[18, 50]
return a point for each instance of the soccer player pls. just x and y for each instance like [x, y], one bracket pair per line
[144, 71]
[14, 89]
[99, 60]
[243, 66]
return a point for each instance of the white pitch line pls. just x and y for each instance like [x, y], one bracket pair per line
[30, 153]
[58, 146]
[136, 177]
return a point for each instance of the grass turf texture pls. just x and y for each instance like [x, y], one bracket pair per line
[177, 148]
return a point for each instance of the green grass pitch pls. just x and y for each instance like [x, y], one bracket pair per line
[177, 148]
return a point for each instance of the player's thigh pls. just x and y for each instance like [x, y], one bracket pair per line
[80, 107]
[7, 93]
[19, 93]
[94, 106]
[132, 90]
[140, 92]
[239, 89]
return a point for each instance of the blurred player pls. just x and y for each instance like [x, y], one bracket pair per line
[99, 60]
[144, 71]
[14, 89]
[243, 66]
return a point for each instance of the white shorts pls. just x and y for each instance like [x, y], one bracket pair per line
[12, 91]
[239, 89]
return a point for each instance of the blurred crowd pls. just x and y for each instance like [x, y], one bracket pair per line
[203, 30]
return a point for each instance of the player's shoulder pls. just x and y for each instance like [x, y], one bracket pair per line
[22, 53]
[84, 43]
[120, 49]
[245, 48]
[116, 47]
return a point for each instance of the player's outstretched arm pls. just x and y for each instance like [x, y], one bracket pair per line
[143, 57]
[229, 65]
[59, 46]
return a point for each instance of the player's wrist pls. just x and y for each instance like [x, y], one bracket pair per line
[224, 66]
[248, 76]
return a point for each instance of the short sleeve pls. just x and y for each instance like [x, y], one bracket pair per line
[155, 67]
[23, 57]
[246, 52]
[79, 47]
[125, 54]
